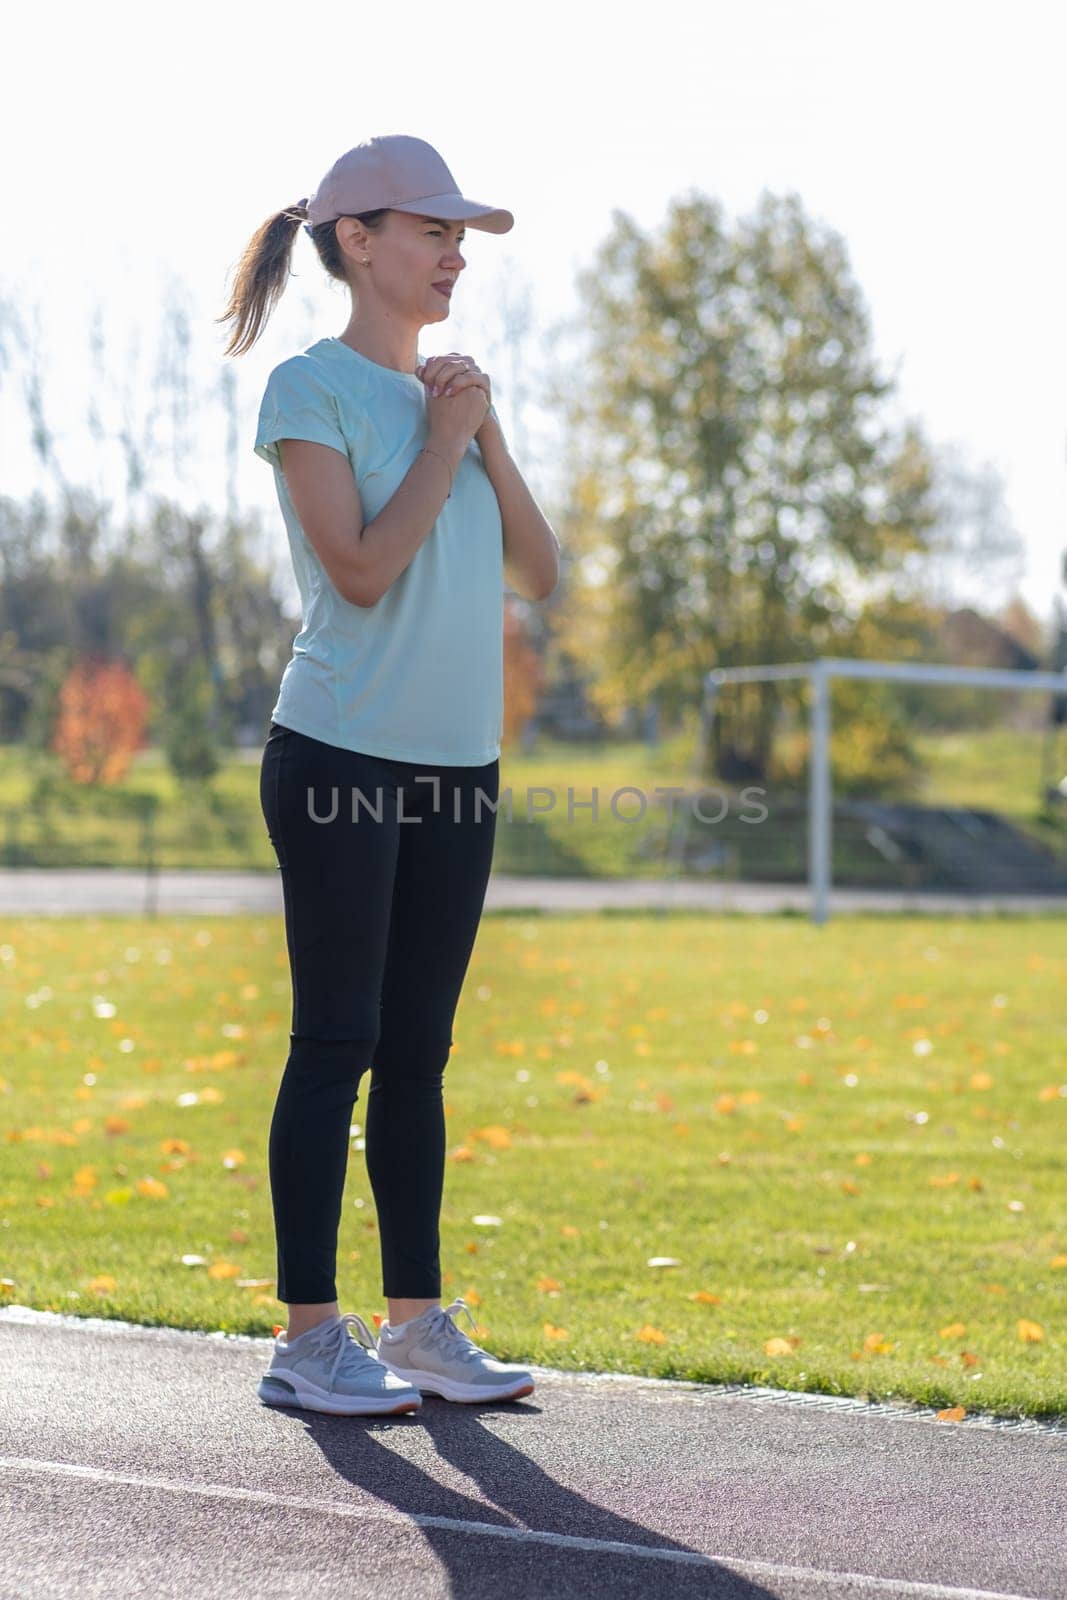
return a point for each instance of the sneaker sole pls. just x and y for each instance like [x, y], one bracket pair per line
[274, 1390]
[449, 1389]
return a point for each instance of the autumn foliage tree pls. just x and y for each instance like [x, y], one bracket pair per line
[739, 486]
[523, 674]
[100, 721]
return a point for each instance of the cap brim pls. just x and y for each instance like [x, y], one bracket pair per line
[457, 208]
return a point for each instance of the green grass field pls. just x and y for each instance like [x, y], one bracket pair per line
[848, 1140]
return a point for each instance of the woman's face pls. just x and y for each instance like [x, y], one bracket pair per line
[409, 255]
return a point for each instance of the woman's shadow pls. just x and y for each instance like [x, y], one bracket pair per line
[530, 1536]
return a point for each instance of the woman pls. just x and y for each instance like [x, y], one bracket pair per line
[380, 773]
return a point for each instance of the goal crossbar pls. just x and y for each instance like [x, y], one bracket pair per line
[821, 673]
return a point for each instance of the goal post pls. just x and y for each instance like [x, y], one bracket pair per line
[821, 674]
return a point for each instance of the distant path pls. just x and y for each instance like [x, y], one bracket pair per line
[32, 891]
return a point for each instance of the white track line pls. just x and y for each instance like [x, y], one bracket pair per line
[562, 1541]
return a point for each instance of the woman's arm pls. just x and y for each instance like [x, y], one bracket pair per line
[362, 560]
[531, 549]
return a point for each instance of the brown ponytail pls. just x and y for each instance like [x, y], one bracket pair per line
[263, 270]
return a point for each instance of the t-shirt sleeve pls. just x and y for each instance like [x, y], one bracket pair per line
[297, 404]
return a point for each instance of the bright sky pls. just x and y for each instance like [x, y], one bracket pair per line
[140, 147]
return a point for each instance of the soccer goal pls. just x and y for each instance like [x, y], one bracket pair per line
[821, 674]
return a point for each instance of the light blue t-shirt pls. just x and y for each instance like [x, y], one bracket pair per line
[419, 675]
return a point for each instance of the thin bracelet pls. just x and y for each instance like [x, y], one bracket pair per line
[451, 476]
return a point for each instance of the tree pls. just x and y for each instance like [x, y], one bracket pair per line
[737, 492]
[975, 554]
[523, 675]
[1017, 620]
[101, 721]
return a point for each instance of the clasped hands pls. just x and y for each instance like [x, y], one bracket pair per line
[447, 375]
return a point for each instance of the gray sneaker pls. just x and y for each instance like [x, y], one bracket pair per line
[327, 1370]
[437, 1356]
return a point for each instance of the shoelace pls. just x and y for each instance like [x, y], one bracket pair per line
[346, 1346]
[445, 1330]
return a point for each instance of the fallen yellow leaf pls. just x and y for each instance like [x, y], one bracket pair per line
[223, 1269]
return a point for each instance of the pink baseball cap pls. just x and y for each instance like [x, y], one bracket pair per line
[402, 173]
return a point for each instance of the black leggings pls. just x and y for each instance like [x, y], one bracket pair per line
[381, 914]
